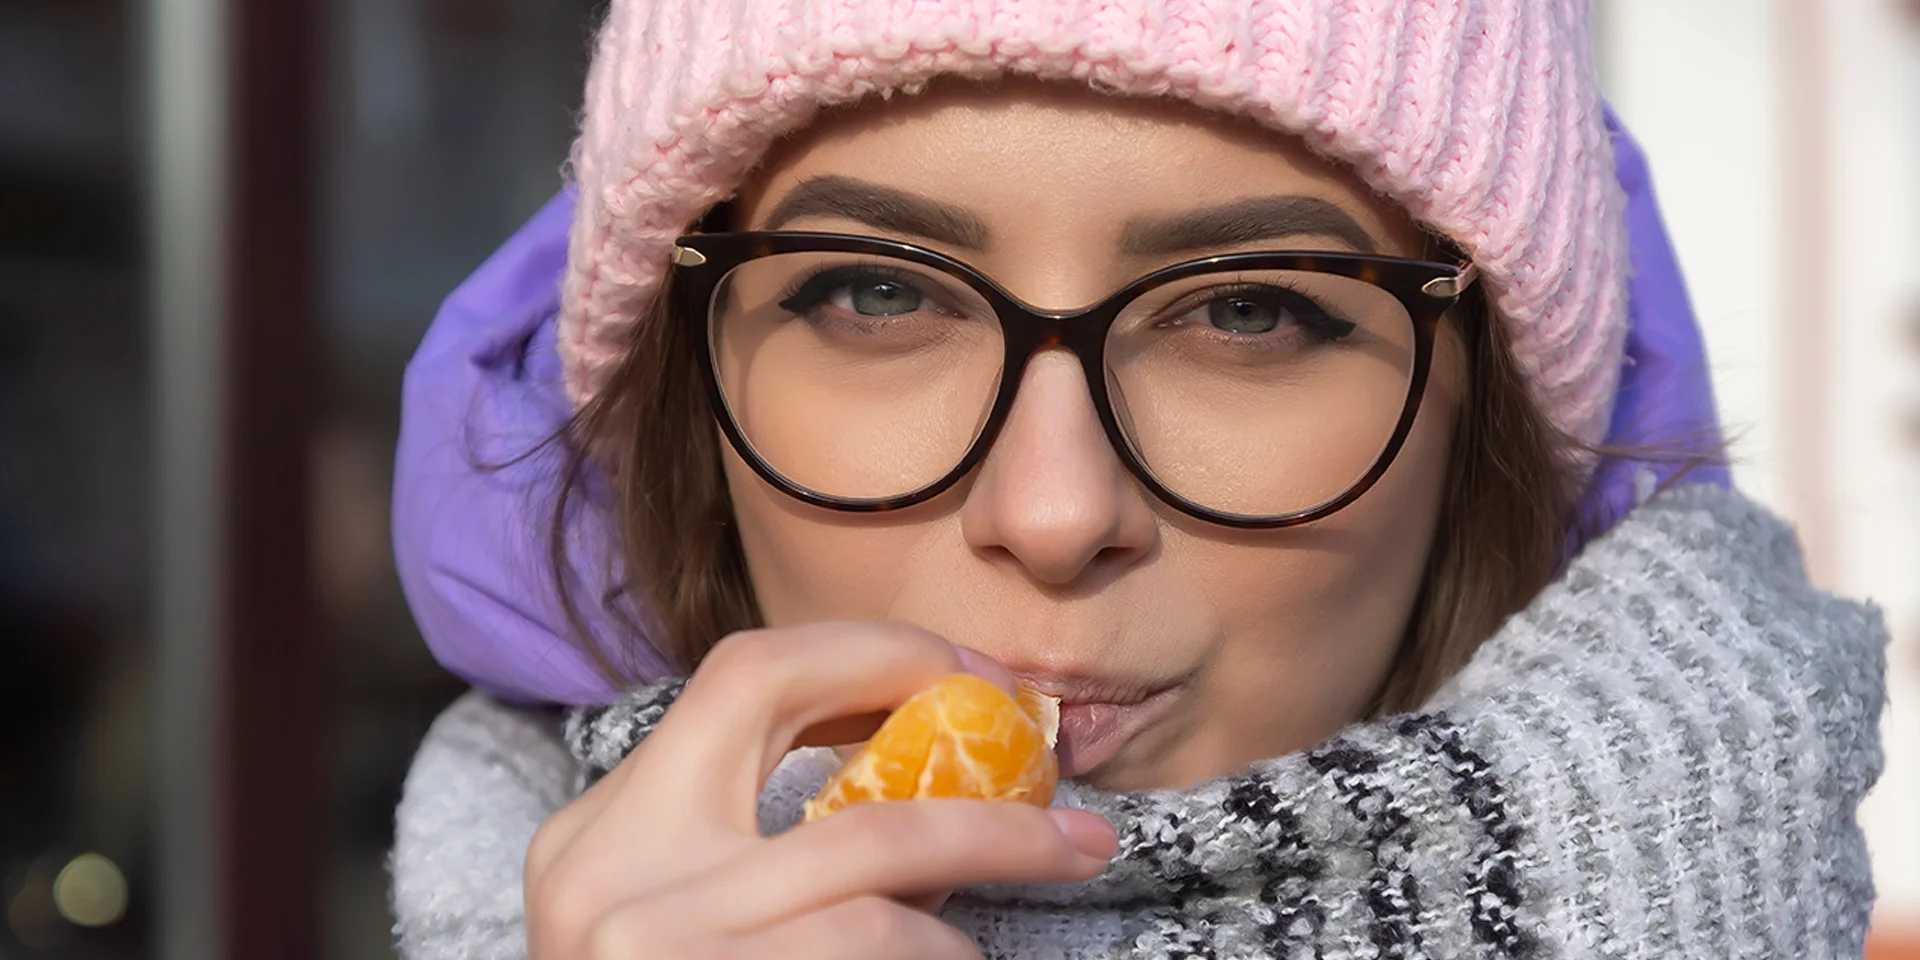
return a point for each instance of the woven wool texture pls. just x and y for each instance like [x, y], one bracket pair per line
[1661, 780]
[1661, 757]
[1481, 117]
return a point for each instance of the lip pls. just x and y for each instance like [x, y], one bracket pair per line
[1099, 716]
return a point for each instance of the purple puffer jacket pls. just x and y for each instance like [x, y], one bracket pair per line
[484, 388]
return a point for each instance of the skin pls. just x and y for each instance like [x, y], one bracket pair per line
[1051, 558]
[663, 857]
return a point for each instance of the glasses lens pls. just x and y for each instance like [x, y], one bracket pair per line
[1261, 393]
[854, 376]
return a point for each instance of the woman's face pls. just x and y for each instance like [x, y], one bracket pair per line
[1184, 650]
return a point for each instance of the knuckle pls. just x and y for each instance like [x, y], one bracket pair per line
[554, 904]
[753, 658]
[646, 931]
[545, 847]
[1037, 830]
[620, 935]
[874, 922]
[1053, 851]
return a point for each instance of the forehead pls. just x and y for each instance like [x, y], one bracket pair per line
[1062, 157]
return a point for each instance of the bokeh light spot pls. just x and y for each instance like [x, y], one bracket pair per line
[91, 891]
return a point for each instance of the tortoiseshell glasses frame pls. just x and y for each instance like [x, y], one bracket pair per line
[1427, 290]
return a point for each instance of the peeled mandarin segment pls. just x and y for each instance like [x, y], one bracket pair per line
[962, 738]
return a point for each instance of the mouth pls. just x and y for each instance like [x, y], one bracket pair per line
[1098, 716]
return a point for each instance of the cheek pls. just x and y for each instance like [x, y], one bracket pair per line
[1315, 616]
[808, 564]
[1389, 532]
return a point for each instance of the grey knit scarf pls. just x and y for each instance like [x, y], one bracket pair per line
[1661, 757]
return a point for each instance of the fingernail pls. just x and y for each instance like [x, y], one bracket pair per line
[985, 667]
[1089, 833]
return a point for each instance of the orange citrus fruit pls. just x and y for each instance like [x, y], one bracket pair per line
[962, 738]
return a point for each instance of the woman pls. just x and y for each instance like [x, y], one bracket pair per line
[1228, 370]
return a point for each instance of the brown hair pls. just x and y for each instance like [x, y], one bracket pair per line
[1508, 502]
[1504, 515]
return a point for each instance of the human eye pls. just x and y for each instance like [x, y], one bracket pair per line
[873, 293]
[1261, 311]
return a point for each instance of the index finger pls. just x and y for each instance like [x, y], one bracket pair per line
[755, 693]
[844, 731]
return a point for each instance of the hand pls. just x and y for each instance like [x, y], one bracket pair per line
[664, 857]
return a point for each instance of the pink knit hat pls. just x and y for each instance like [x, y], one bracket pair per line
[1481, 117]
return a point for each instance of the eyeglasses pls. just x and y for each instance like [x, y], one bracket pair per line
[1253, 390]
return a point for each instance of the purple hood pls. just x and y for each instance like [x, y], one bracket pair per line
[484, 388]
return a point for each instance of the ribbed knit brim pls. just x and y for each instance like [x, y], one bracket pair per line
[1481, 117]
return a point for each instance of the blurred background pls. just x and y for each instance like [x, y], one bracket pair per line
[224, 225]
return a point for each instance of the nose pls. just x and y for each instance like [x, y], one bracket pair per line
[1052, 496]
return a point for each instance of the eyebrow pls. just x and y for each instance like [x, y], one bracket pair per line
[884, 207]
[1245, 221]
[1227, 225]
